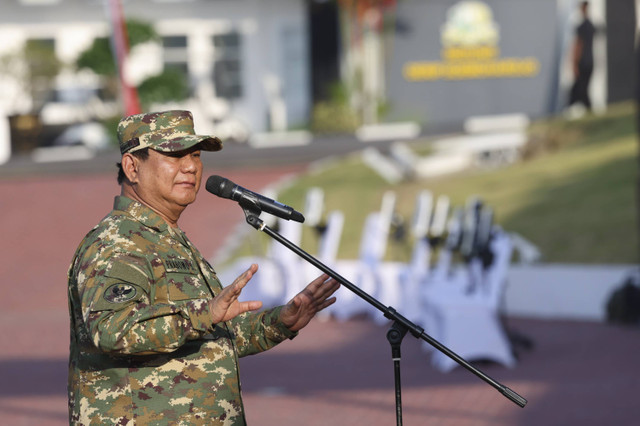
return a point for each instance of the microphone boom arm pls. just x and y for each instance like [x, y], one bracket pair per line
[252, 211]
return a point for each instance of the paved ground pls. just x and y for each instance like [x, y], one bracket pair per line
[332, 374]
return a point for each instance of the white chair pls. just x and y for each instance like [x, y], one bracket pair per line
[368, 273]
[290, 264]
[467, 322]
[413, 274]
[362, 272]
[328, 246]
[389, 289]
[313, 206]
[441, 277]
[329, 243]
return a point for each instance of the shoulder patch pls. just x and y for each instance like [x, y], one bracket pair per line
[119, 293]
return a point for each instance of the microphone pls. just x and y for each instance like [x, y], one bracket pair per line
[224, 188]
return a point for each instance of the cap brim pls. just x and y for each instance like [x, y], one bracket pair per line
[207, 143]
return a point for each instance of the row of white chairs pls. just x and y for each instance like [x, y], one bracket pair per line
[456, 302]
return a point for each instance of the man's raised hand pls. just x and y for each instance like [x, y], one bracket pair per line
[225, 305]
[305, 305]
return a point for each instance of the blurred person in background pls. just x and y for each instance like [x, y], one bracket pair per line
[155, 338]
[582, 59]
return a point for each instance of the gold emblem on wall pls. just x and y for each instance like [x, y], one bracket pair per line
[470, 49]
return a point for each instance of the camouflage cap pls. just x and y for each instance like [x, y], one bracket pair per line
[166, 131]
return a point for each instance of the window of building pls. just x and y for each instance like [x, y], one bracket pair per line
[227, 65]
[173, 42]
[48, 44]
[176, 57]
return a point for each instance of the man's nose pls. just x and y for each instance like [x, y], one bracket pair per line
[189, 164]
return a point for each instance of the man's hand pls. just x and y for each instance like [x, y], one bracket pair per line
[225, 305]
[315, 297]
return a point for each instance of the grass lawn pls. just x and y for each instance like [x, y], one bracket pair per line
[574, 199]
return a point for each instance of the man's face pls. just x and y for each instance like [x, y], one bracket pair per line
[170, 180]
[584, 7]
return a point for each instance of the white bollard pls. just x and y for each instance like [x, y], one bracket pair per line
[5, 138]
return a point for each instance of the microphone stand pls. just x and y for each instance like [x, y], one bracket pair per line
[398, 330]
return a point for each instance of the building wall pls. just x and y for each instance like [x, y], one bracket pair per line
[502, 63]
[621, 46]
[273, 48]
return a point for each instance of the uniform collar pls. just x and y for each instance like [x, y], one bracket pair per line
[140, 212]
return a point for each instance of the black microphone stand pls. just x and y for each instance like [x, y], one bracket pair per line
[398, 330]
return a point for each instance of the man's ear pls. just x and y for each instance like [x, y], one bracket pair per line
[130, 167]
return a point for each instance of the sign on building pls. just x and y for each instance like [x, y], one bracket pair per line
[452, 59]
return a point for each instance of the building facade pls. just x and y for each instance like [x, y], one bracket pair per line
[246, 60]
[259, 65]
[454, 59]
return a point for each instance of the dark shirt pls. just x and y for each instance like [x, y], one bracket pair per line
[585, 33]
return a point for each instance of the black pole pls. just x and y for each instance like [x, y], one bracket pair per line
[252, 213]
[395, 335]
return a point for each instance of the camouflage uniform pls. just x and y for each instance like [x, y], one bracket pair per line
[143, 346]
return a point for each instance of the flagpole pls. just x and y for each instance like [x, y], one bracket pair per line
[120, 49]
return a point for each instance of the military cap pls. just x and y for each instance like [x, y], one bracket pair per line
[166, 131]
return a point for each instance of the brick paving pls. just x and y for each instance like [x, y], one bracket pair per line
[578, 373]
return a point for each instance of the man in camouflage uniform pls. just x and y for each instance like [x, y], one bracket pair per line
[155, 338]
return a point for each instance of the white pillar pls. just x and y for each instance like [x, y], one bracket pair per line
[5, 138]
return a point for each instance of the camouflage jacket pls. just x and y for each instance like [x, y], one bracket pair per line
[143, 347]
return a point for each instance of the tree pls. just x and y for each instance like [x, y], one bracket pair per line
[167, 86]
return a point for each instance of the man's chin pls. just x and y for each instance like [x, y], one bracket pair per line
[186, 202]
[186, 199]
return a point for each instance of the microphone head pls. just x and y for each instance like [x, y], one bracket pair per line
[222, 187]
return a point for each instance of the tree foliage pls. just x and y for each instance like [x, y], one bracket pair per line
[169, 85]
[99, 56]
[140, 32]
